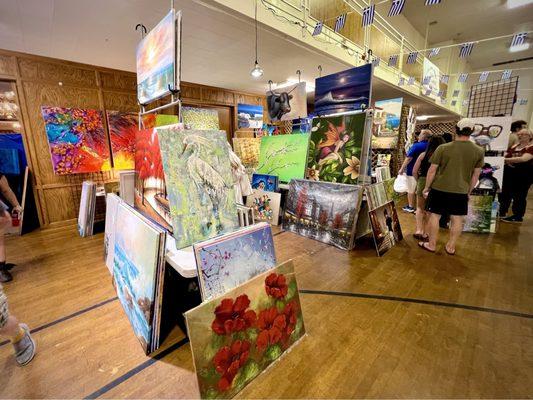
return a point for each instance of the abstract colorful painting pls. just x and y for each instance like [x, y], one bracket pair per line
[287, 103]
[77, 140]
[386, 227]
[344, 91]
[386, 125]
[237, 336]
[137, 259]
[154, 120]
[265, 206]
[335, 148]
[284, 156]
[158, 60]
[200, 118]
[491, 133]
[250, 116]
[268, 183]
[123, 128]
[199, 183]
[323, 211]
[227, 261]
[247, 149]
[151, 197]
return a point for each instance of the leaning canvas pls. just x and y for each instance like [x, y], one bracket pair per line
[323, 211]
[237, 336]
[287, 103]
[200, 118]
[376, 195]
[386, 227]
[335, 148]
[480, 216]
[77, 140]
[284, 156]
[111, 209]
[199, 182]
[265, 206]
[122, 130]
[228, 261]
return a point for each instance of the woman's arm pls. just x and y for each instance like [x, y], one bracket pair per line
[8, 194]
[417, 164]
[517, 160]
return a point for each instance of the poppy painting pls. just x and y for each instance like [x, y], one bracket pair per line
[77, 140]
[237, 336]
[122, 130]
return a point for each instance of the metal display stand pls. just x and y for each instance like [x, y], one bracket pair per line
[493, 99]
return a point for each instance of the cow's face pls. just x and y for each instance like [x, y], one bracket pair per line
[279, 104]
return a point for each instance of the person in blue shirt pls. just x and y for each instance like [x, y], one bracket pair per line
[407, 167]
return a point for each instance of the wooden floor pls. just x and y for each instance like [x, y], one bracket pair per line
[409, 324]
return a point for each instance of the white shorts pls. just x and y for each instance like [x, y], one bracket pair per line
[411, 184]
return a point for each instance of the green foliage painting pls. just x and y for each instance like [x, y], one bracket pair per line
[284, 156]
[199, 183]
[335, 148]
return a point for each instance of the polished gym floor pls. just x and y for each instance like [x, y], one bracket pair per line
[409, 324]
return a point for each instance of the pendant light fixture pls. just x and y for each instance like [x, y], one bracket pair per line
[257, 71]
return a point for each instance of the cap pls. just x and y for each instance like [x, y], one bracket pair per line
[466, 123]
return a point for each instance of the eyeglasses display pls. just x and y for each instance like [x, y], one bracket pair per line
[493, 131]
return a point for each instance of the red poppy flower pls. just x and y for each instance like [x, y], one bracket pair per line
[290, 312]
[276, 285]
[232, 316]
[228, 361]
[271, 325]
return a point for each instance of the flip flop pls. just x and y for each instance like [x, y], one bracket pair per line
[449, 252]
[422, 238]
[422, 245]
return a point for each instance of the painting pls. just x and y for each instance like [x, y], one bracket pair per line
[392, 195]
[249, 116]
[122, 130]
[386, 126]
[247, 149]
[265, 206]
[323, 211]
[491, 176]
[9, 161]
[268, 183]
[228, 261]
[154, 120]
[137, 259]
[77, 140]
[112, 202]
[432, 74]
[335, 148]
[158, 60]
[284, 156]
[200, 118]
[344, 91]
[287, 103]
[199, 183]
[482, 214]
[237, 336]
[376, 195]
[491, 133]
[385, 227]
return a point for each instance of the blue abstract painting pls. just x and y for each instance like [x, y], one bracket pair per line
[268, 183]
[344, 91]
[227, 261]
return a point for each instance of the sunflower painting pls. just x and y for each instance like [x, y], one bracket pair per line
[237, 336]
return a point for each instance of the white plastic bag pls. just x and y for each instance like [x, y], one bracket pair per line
[400, 184]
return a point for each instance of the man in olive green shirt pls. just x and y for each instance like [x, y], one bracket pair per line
[454, 172]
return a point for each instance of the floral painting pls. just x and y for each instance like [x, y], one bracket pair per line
[199, 182]
[227, 261]
[265, 206]
[200, 118]
[77, 140]
[122, 130]
[237, 336]
[323, 211]
[247, 149]
[284, 156]
[335, 148]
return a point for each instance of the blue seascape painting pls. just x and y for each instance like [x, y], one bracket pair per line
[250, 116]
[344, 91]
[267, 183]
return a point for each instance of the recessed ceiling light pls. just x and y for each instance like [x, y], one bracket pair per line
[519, 47]
[518, 3]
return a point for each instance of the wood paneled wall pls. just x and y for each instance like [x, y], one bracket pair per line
[42, 81]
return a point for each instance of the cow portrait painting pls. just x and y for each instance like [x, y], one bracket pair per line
[287, 102]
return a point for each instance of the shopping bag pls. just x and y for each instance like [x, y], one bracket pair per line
[400, 184]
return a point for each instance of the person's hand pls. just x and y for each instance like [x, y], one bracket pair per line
[17, 209]
[425, 193]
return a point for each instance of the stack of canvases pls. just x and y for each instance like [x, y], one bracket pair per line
[87, 208]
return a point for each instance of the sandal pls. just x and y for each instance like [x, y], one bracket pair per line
[423, 246]
[450, 253]
[422, 238]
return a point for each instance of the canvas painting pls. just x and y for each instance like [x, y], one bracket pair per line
[135, 268]
[247, 149]
[376, 195]
[154, 120]
[323, 211]
[335, 148]
[250, 116]
[383, 173]
[122, 130]
[199, 183]
[432, 86]
[491, 176]
[480, 214]
[284, 156]
[200, 118]
[344, 91]
[386, 125]
[9, 161]
[492, 133]
[237, 336]
[392, 195]
[112, 202]
[77, 140]
[268, 183]
[228, 261]
[150, 194]
[265, 206]
[157, 60]
[386, 227]
[287, 103]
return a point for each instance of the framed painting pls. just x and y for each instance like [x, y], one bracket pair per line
[200, 118]
[237, 336]
[287, 103]
[77, 140]
[385, 227]
[122, 131]
[228, 261]
[284, 156]
[265, 206]
[268, 183]
[386, 126]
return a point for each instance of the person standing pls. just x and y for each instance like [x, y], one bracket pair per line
[5, 220]
[453, 173]
[516, 127]
[517, 177]
[408, 165]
